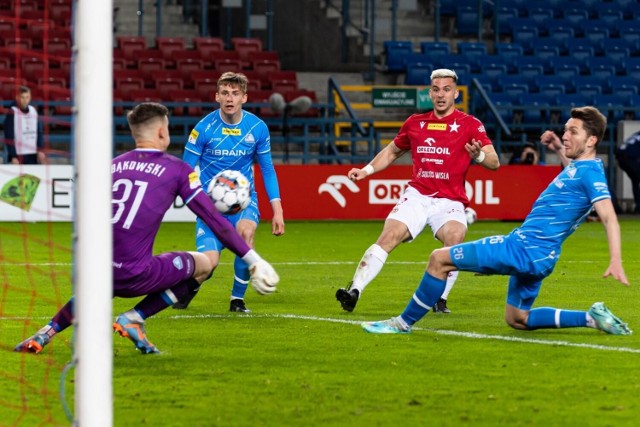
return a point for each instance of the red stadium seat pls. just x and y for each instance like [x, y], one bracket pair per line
[125, 85]
[169, 45]
[246, 47]
[149, 65]
[55, 45]
[224, 65]
[19, 43]
[168, 84]
[207, 46]
[186, 96]
[5, 64]
[33, 68]
[145, 95]
[283, 80]
[206, 87]
[187, 66]
[9, 86]
[265, 66]
[130, 44]
[52, 82]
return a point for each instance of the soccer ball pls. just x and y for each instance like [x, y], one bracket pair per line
[471, 215]
[230, 191]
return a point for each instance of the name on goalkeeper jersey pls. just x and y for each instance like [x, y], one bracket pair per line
[146, 167]
[433, 150]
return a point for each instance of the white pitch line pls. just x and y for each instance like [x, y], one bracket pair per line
[472, 335]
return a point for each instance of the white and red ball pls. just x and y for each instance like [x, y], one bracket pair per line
[230, 191]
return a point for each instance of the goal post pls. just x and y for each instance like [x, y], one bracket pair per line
[93, 142]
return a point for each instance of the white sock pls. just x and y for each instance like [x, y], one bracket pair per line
[451, 279]
[134, 315]
[369, 266]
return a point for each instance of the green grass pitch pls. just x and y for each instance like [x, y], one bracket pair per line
[299, 360]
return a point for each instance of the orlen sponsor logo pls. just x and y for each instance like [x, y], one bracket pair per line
[389, 191]
[386, 191]
[433, 150]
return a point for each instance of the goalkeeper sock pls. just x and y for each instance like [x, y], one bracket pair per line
[156, 302]
[241, 279]
[547, 317]
[63, 318]
[369, 266]
[451, 279]
[427, 294]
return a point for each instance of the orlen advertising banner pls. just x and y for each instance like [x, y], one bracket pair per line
[45, 193]
[325, 192]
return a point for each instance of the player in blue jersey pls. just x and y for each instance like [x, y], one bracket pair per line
[530, 252]
[146, 182]
[233, 138]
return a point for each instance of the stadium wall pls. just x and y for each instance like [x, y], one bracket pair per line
[36, 193]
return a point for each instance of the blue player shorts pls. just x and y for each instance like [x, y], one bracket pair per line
[207, 241]
[163, 272]
[511, 255]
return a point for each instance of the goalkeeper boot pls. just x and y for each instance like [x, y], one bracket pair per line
[348, 298]
[441, 306]
[134, 330]
[391, 326]
[606, 321]
[33, 344]
[237, 306]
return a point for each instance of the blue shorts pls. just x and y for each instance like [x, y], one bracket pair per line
[207, 241]
[508, 255]
[163, 272]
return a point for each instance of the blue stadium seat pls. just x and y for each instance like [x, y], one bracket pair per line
[600, 68]
[624, 91]
[572, 100]
[570, 61]
[492, 72]
[505, 106]
[536, 107]
[585, 85]
[611, 106]
[435, 48]
[472, 49]
[525, 35]
[631, 35]
[632, 10]
[566, 75]
[504, 16]
[395, 53]
[549, 85]
[618, 56]
[597, 35]
[546, 52]
[531, 66]
[466, 23]
[576, 19]
[418, 74]
[609, 16]
[510, 54]
[513, 90]
[518, 79]
[418, 58]
[632, 67]
[540, 15]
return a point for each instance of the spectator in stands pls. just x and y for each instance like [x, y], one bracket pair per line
[233, 138]
[526, 155]
[141, 196]
[628, 157]
[530, 252]
[443, 143]
[23, 143]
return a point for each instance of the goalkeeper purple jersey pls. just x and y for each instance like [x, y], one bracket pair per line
[145, 183]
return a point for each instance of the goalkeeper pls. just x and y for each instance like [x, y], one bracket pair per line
[146, 182]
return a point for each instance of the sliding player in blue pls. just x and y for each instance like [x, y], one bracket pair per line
[146, 182]
[530, 252]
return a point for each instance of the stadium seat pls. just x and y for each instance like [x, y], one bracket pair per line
[611, 106]
[167, 84]
[529, 71]
[540, 15]
[514, 90]
[617, 55]
[576, 19]
[524, 36]
[128, 83]
[435, 48]
[149, 65]
[572, 100]
[169, 45]
[33, 67]
[598, 80]
[186, 97]
[418, 73]
[5, 64]
[130, 44]
[466, 22]
[246, 46]
[535, 107]
[206, 87]
[503, 17]
[472, 49]
[395, 52]
[492, 73]
[145, 95]
[208, 47]
[608, 15]
[597, 35]
[510, 54]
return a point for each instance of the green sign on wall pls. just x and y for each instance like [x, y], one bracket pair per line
[391, 97]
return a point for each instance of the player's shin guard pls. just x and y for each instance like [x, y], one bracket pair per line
[240, 279]
[427, 294]
[154, 303]
[547, 317]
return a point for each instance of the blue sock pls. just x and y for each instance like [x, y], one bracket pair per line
[240, 279]
[547, 317]
[428, 293]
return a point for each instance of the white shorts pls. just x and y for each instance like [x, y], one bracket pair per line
[416, 211]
